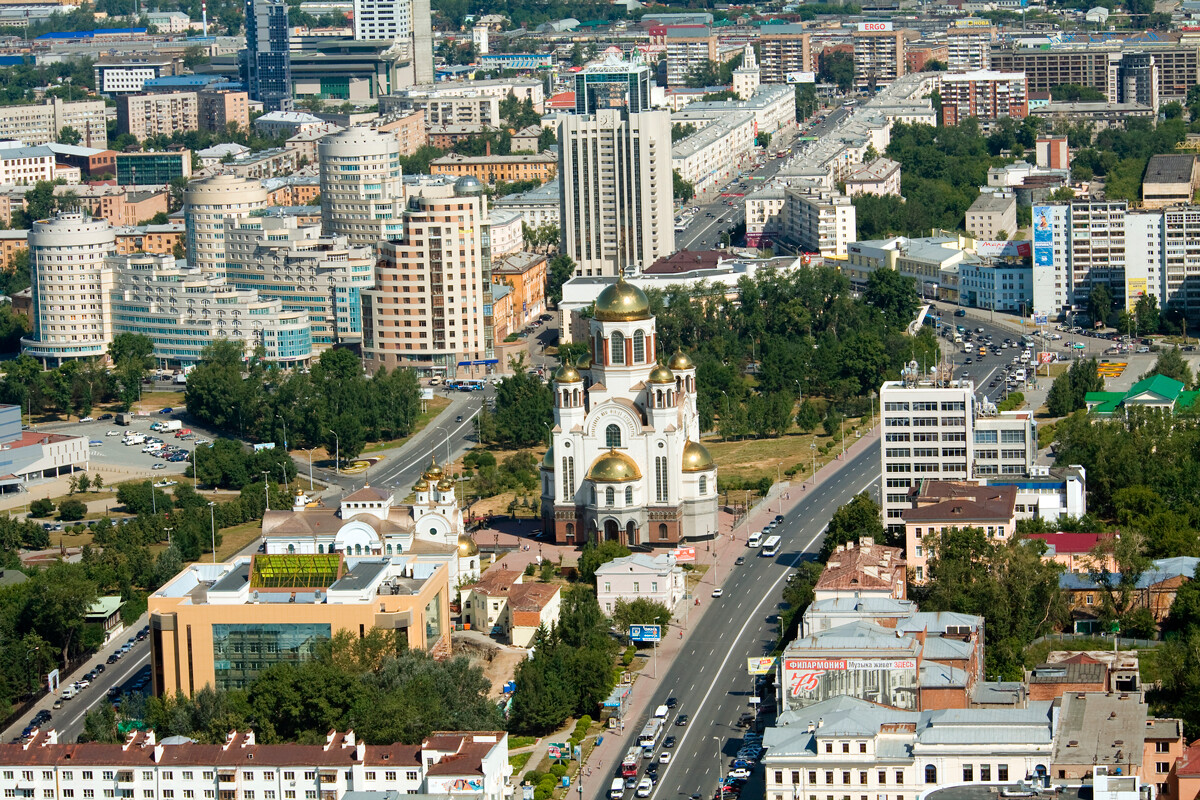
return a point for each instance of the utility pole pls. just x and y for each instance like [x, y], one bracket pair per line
[212, 518]
[266, 490]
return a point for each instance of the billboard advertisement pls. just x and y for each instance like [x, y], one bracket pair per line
[684, 555]
[801, 77]
[989, 249]
[760, 666]
[1135, 288]
[972, 23]
[811, 680]
[1043, 236]
[872, 27]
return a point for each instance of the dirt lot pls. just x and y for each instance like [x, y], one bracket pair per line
[499, 663]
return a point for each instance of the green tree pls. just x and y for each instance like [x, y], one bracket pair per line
[62, 594]
[798, 595]
[1147, 314]
[639, 611]
[807, 417]
[100, 725]
[855, 520]
[523, 406]
[560, 270]
[1069, 391]
[71, 510]
[682, 190]
[893, 294]
[594, 555]
[42, 507]
[838, 68]
[1100, 301]
[1171, 364]
[132, 356]
[68, 135]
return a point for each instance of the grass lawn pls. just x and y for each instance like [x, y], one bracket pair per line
[518, 761]
[1147, 656]
[432, 409]
[152, 402]
[517, 742]
[235, 538]
[753, 459]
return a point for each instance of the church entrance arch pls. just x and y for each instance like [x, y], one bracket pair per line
[631, 533]
[612, 531]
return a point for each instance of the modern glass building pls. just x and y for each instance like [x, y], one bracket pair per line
[613, 83]
[268, 62]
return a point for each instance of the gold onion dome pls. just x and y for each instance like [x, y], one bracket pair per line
[445, 484]
[614, 467]
[467, 546]
[434, 473]
[421, 485]
[661, 374]
[680, 361]
[567, 374]
[548, 459]
[696, 457]
[584, 362]
[622, 302]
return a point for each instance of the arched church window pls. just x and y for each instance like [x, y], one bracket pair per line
[628, 495]
[612, 436]
[291, 549]
[639, 347]
[703, 485]
[321, 549]
[610, 496]
[616, 348]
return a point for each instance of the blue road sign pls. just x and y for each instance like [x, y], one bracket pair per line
[645, 633]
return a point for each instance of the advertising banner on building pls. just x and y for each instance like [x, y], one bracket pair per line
[684, 555]
[871, 27]
[801, 77]
[888, 681]
[990, 249]
[1043, 237]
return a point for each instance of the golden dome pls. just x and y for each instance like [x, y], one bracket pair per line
[696, 457]
[567, 374]
[622, 302]
[548, 459]
[434, 472]
[680, 360]
[445, 484]
[661, 374]
[584, 362]
[614, 467]
[421, 485]
[467, 546]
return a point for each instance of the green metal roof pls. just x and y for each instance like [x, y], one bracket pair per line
[105, 606]
[1161, 385]
[295, 571]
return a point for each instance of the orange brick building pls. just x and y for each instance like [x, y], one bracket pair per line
[491, 169]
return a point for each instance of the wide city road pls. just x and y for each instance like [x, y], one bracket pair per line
[708, 678]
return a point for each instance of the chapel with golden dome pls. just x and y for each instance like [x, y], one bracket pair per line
[625, 462]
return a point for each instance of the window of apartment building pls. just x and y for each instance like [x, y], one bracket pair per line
[845, 747]
[845, 777]
[829, 747]
[1162, 747]
[779, 776]
[812, 776]
[1088, 599]
[411, 775]
[106, 775]
[899, 776]
[47, 775]
[1002, 772]
[829, 777]
[862, 776]
[390, 775]
[985, 772]
[208, 775]
[1162, 767]
[370, 776]
[968, 773]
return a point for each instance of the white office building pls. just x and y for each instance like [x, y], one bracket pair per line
[71, 281]
[319, 275]
[184, 309]
[206, 205]
[362, 188]
[616, 183]
[934, 428]
[819, 220]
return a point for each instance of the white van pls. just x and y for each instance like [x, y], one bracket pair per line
[660, 712]
[755, 539]
[616, 789]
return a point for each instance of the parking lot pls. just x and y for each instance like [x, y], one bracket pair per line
[106, 447]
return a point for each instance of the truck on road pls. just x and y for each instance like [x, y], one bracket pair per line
[168, 425]
[135, 438]
[616, 789]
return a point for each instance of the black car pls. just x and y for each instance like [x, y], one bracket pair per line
[779, 517]
[458, 418]
[739, 561]
[669, 742]
[652, 772]
[105, 416]
[681, 720]
[114, 658]
[672, 702]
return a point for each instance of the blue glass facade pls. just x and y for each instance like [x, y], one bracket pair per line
[240, 652]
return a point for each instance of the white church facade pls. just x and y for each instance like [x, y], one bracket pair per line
[369, 522]
[626, 463]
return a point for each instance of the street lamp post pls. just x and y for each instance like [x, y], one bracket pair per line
[283, 469]
[310, 483]
[284, 421]
[337, 459]
[266, 490]
[813, 447]
[168, 530]
[212, 518]
[717, 739]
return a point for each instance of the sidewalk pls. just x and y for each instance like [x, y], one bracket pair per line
[729, 545]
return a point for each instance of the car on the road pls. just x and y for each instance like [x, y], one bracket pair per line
[166, 410]
[665, 756]
[652, 771]
[631, 782]
[644, 787]
[58, 703]
[669, 742]
[672, 702]
[740, 773]
[717, 592]
[96, 442]
[159, 465]
[83, 683]
[112, 433]
[958, 312]
[737, 562]
[114, 658]
[458, 418]
[681, 720]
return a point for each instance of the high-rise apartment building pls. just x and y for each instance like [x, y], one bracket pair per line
[934, 428]
[784, 49]
[878, 58]
[320, 275]
[206, 206]
[72, 283]
[985, 94]
[41, 124]
[405, 22]
[969, 47]
[613, 83]
[145, 115]
[819, 220]
[688, 48]
[362, 190]
[616, 189]
[268, 63]
[216, 108]
[431, 308]
[1121, 74]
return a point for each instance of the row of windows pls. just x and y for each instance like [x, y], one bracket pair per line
[846, 776]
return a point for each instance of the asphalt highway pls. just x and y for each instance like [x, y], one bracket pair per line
[709, 678]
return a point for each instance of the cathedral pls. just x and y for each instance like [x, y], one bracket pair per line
[369, 522]
[626, 463]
